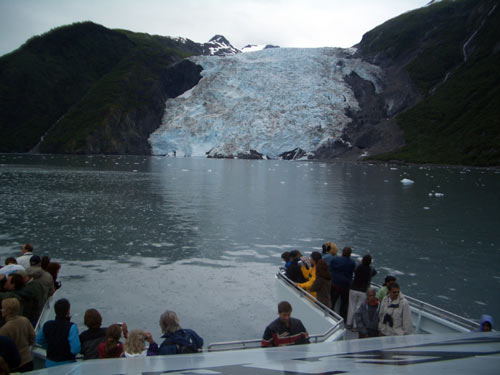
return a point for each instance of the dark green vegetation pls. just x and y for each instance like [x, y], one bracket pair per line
[90, 89]
[458, 119]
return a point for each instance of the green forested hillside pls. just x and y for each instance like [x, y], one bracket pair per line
[92, 87]
[457, 122]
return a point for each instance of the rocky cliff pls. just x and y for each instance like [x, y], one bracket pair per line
[441, 88]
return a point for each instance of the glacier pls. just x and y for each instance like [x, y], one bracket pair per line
[269, 101]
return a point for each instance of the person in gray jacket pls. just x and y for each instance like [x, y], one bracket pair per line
[394, 315]
[367, 316]
[43, 277]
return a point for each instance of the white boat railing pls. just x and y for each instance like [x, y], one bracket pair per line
[336, 330]
[423, 314]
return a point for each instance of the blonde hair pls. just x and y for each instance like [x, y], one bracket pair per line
[11, 306]
[135, 342]
[169, 322]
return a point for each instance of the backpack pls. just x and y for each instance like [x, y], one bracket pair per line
[182, 341]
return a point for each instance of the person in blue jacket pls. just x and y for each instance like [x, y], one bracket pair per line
[342, 270]
[486, 323]
[176, 339]
[60, 336]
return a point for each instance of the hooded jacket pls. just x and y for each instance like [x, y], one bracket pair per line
[485, 319]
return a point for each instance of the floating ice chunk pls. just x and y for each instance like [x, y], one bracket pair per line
[439, 195]
[407, 181]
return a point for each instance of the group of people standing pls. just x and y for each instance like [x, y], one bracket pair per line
[329, 277]
[26, 282]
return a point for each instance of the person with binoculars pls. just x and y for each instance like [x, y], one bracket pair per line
[394, 314]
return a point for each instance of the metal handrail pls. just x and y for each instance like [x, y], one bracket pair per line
[422, 306]
[256, 343]
[326, 310]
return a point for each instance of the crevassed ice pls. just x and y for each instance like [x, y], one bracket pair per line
[271, 101]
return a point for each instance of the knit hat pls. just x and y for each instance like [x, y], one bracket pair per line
[35, 259]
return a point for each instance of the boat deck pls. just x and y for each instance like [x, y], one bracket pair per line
[462, 353]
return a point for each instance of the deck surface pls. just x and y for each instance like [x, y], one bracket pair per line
[463, 353]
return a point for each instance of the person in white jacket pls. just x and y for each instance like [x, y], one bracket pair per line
[395, 314]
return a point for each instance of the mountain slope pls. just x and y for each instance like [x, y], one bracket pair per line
[87, 89]
[451, 53]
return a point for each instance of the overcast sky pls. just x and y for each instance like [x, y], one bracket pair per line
[287, 23]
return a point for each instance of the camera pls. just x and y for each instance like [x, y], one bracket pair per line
[388, 320]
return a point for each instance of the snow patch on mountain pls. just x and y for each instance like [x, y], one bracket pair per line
[220, 46]
[270, 101]
[257, 47]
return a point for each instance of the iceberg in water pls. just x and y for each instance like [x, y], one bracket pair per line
[407, 181]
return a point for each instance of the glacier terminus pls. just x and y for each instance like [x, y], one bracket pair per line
[264, 103]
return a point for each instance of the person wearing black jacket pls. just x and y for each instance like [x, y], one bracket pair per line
[362, 277]
[294, 272]
[93, 336]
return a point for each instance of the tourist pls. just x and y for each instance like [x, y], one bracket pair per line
[341, 269]
[14, 287]
[486, 323]
[11, 266]
[329, 250]
[53, 268]
[176, 339]
[310, 273]
[285, 257]
[27, 253]
[10, 353]
[394, 314]
[366, 316]
[112, 347]
[43, 277]
[285, 330]
[382, 292]
[59, 336]
[135, 344]
[93, 336]
[44, 262]
[294, 271]
[20, 330]
[36, 290]
[322, 284]
[362, 277]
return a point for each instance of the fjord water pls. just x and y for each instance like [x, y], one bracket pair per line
[203, 237]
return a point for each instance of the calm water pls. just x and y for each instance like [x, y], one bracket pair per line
[203, 237]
